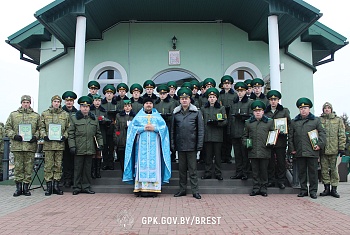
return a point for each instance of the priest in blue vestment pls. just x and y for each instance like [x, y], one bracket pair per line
[147, 152]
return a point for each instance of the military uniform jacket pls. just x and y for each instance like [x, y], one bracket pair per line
[153, 96]
[257, 131]
[174, 99]
[214, 133]
[54, 116]
[100, 113]
[335, 133]
[165, 108]
[187, 129]
[280, 112]
[261, 97]
[121, 128]
[120, 103]
[112, 110]
[239, 112]
[81, 134]
[226, 99]
[22, 116]
[136, 105]
[298, 137]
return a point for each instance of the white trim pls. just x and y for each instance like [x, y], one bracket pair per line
[108, 65]
[243, 65]
[175, 69]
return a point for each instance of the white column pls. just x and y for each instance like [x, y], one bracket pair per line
[79, 56]
[274, 53]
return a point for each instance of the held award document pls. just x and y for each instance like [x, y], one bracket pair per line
[55, 132]
[25, 130]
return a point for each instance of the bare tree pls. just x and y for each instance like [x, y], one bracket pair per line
[346, 121]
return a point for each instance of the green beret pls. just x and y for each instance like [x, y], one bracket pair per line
[258, 105]
[109, 88]
[241, 86]
[172, 84]
[85, 100]
[273, 94]
[209, 81]
[184, 92]
[162, 88]
[248, 82]
[212, 91]
[195, 84]
[187, 84]
[304, 102]
[149, 84]
[227, 78]
[258, 82]
[97, 97]
[122, 86]
[136, 87]
[69, 95]
[126, 102]
[94, 84]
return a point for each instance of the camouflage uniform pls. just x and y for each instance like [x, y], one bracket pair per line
[23, 151]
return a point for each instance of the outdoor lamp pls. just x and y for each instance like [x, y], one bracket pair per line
[174, 39]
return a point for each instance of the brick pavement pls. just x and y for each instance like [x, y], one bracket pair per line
[107, 213]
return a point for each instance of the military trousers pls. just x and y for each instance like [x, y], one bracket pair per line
[277, 166]
[226, 147]
[212, 150]
[241, 157]
[308, 171]
[53, 165]
[68, 164]
[259, 173]
[82, 172]
[188, 161]
[121, 157]
[329, 169]
[23, 166]
[108, 152]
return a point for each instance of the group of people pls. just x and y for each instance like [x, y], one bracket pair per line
[146, 131]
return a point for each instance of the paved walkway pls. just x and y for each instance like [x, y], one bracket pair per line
[214, 214]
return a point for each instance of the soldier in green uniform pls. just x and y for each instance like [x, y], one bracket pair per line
[256, 131]
[240, 111]
[149, 86]
[195, 87]
[122, 89]
[109, 103]
[104, 122]
[22, 127]
[68, 158]
[190, 86]
[122, 122]
[93, 86]
[54, 123]
[136, 101]
[258, 84]
[2, 135]
[227, 95]
[248, 82]
[163, 104]
[207, 83]
[215, 120]
[84, 137]
[172, 90]
[336, 139]
[277, 164]
[306, 152]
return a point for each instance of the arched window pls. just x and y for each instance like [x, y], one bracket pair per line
[243, 70]
[178, 75]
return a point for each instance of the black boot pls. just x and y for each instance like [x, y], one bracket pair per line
[1, 177]
[18, 191]
[26, 191]
[326, 191]
[48, 191]
[93, 168]
[334, 192]
[56, 188]
[98, 167]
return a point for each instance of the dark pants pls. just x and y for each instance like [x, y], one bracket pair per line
[308, 169]
[188, 161]
[108, 152]
[259, 172]
[226, 148]
[277, 166]
[82, 172]
[121, 157]
[68, 164]
[212, 149]
[241, 157]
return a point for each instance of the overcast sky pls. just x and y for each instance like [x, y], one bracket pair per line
[20, 77]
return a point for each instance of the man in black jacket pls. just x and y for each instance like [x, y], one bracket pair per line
[187, 134]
